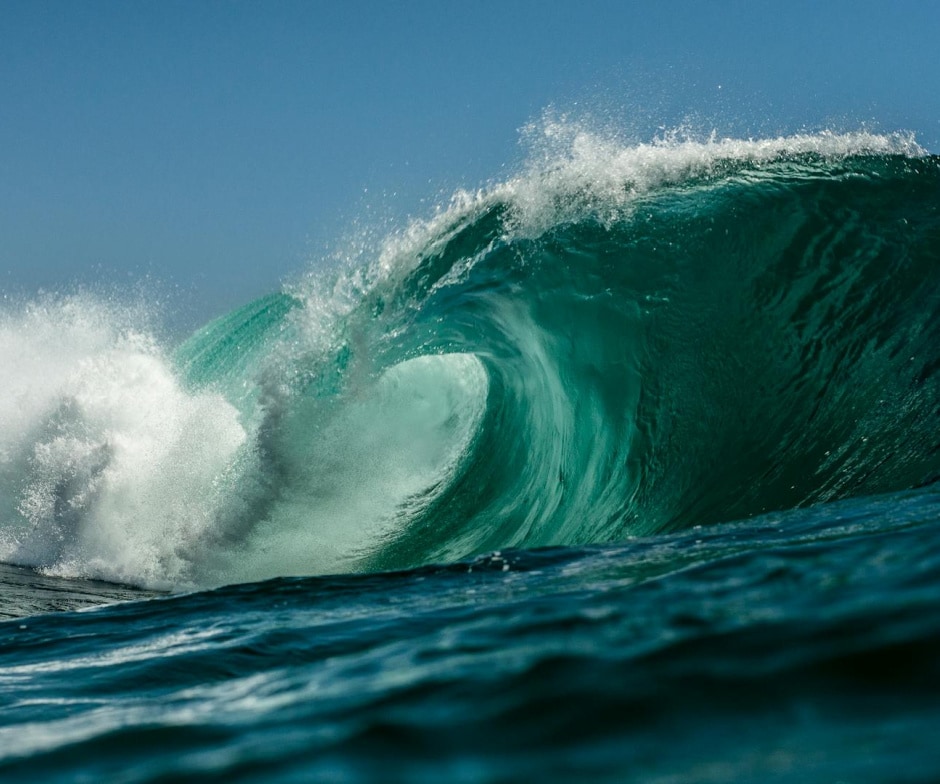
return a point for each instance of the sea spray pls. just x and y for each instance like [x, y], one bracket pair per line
[109, 468]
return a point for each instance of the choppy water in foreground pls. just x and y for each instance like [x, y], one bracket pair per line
[622, 469]
[796, 647]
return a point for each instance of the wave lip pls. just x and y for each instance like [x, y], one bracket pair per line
[574, 173]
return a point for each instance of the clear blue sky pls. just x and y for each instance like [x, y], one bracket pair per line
[219, 147]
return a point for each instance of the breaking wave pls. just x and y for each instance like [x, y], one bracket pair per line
[620, 340]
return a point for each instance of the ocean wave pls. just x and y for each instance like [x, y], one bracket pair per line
[621, 339]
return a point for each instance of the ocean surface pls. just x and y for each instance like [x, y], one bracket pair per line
[624, 468]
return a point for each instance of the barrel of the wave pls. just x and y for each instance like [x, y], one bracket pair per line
[749, 338]
[747, 331]
[344, 457]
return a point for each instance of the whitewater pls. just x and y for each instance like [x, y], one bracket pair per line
[623, 467]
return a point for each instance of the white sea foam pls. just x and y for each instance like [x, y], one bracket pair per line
[108, 468]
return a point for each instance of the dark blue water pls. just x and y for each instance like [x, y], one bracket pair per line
[795, 647]
[624, 469]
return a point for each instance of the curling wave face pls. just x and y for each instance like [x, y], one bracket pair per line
[620, 340]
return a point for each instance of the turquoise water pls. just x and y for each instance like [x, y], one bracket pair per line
[623, 468]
